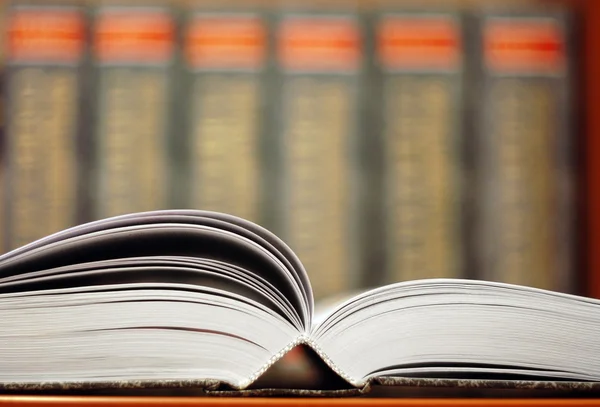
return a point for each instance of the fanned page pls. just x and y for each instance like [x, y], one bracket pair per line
[192, 295]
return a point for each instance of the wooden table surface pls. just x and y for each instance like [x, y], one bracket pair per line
[70, 401]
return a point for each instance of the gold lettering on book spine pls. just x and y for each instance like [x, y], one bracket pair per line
[317, 160]
[24, 157]
[422, 165]
[153, 168]
[225, 162]
[133, 158]
[63, 165]
[117, 129]
[523, 141]
[43, 151]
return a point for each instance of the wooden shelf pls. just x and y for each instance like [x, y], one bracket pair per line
[591, 59]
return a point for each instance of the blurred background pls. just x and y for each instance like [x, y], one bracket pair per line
[382, 140]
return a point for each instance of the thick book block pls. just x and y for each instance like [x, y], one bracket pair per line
[45, 49]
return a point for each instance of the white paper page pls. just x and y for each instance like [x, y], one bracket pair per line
[159, 333]
[463, 325]
[226, 228]
[225, 222]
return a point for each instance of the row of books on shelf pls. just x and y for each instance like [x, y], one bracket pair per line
[382, 143]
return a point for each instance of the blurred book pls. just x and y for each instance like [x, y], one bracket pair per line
[225, 59]
[3, 155]
[133, 55]
[419, 56]
[320, 64]
[525, 140]
[45, 47]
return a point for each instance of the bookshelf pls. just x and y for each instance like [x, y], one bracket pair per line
[591, 148]
[588, 89]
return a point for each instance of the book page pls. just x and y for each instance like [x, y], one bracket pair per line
[327, 306]
[461, 328]
[171, 234]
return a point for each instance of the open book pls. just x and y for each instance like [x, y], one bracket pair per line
[190, 295]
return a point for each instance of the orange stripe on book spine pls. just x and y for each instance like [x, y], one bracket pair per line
[45, 35]
[325, 44]
[418, 43]
[530, 46]
[133, 36]
[225, 42]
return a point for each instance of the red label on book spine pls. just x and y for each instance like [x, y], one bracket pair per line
[418, 43]
[45, 35]
[323, 44]
[134, 36]
[535, 45]
[225, 42]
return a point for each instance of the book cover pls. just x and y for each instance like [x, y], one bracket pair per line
[525, 143]
[44, 53]
[225, 62]
[133, 56]
[419, 58]
[320, 65]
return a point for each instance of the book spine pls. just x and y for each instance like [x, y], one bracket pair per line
[419, 56]
[525, 142]
[133, 56]
[319, 59]
[45, 46]
[225, 60]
